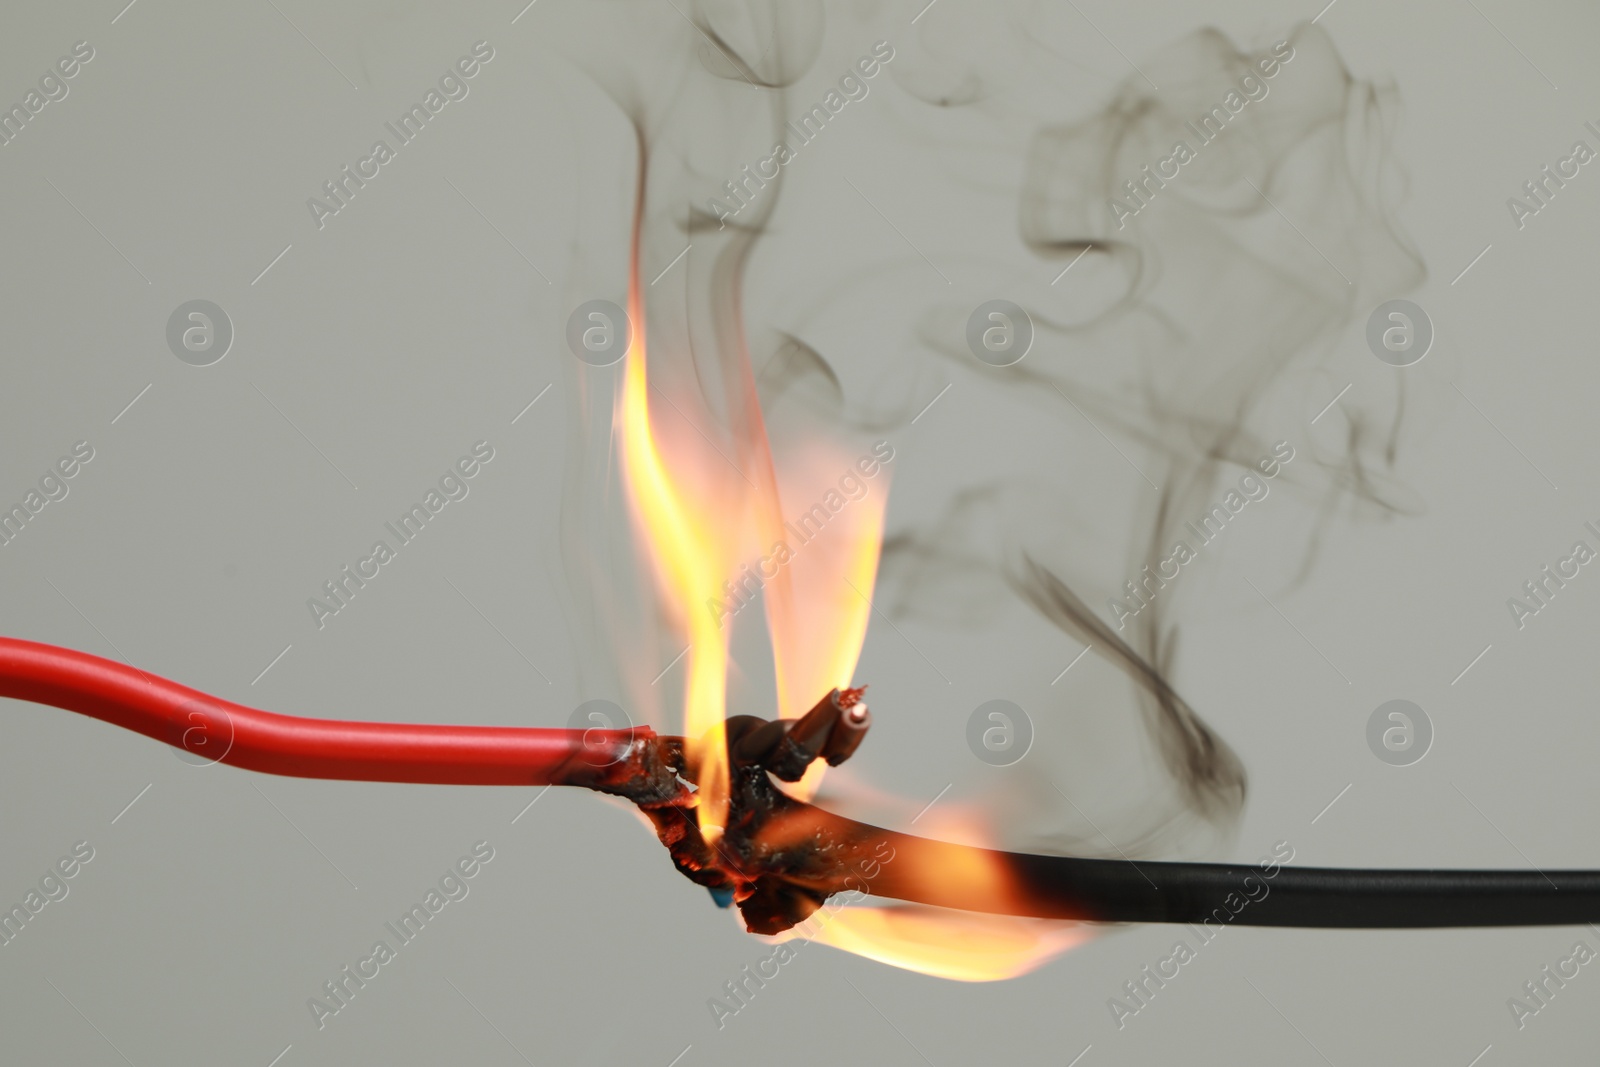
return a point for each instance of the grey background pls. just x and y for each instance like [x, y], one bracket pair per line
[407, 329]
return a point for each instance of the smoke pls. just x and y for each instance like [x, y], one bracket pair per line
[1195, 292]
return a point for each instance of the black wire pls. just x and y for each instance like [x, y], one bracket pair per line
[1244, 895]
[920, 870]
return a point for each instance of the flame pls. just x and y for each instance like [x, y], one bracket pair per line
[691, 556]
[710, 527]
[817, 637]
[947, 942]
[959, 945]
[716, 529]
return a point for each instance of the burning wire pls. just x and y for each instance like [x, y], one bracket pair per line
[780, 858]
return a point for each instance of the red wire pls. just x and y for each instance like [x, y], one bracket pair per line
[221, 731]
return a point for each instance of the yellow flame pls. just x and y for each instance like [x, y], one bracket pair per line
[941, 941]
[959, 945]
[820, 528]
[699, 514]
[693, 555]
[818, 638]
[851, 608]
